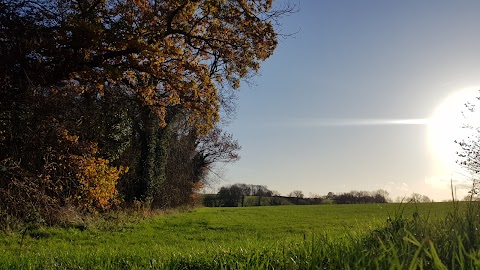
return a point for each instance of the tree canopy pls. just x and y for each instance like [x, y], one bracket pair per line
[118, 100]
[168, 54]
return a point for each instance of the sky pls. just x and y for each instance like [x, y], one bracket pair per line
[347, 102]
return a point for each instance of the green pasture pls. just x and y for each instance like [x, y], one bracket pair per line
[203, 234]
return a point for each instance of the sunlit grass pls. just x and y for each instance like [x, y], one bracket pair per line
[285, 237]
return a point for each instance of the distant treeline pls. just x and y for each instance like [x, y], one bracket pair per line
[215, 200]
[379, 196]
[256, 195]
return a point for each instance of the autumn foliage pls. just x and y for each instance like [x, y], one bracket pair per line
[98, 182]
[108, 102]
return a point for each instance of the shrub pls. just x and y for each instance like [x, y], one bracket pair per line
[98, 182]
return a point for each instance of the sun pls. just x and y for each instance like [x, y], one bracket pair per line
[448, 124]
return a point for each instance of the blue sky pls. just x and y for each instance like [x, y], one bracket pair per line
[319, 118]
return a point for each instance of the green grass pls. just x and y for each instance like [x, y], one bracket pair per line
[285, 237]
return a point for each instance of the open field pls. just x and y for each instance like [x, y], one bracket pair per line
[200, 237]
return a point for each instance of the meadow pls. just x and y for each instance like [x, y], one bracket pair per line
[275, 237]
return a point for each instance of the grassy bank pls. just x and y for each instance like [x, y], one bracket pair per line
[285, 237]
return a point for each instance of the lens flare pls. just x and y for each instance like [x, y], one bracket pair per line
[449, 123]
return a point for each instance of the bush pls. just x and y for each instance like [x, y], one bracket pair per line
[23, 196]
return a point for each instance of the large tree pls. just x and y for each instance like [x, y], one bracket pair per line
[73, 69]
[169, 54]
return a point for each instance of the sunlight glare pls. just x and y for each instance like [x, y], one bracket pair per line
[448, 124]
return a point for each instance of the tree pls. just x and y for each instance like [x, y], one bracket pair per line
[469, 153]
[190, 159]
[418, 198]
[170, 55]
[354, 196]
[116, 81]
[330, 195]
[246, 189]
[234, 194]
[216, 146]
[231, 195]
[275, 193]
[296, 193]
[381, 193]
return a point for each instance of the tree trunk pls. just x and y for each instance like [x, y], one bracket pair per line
[154, 155]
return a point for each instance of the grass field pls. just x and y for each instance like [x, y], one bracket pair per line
[283, 237]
